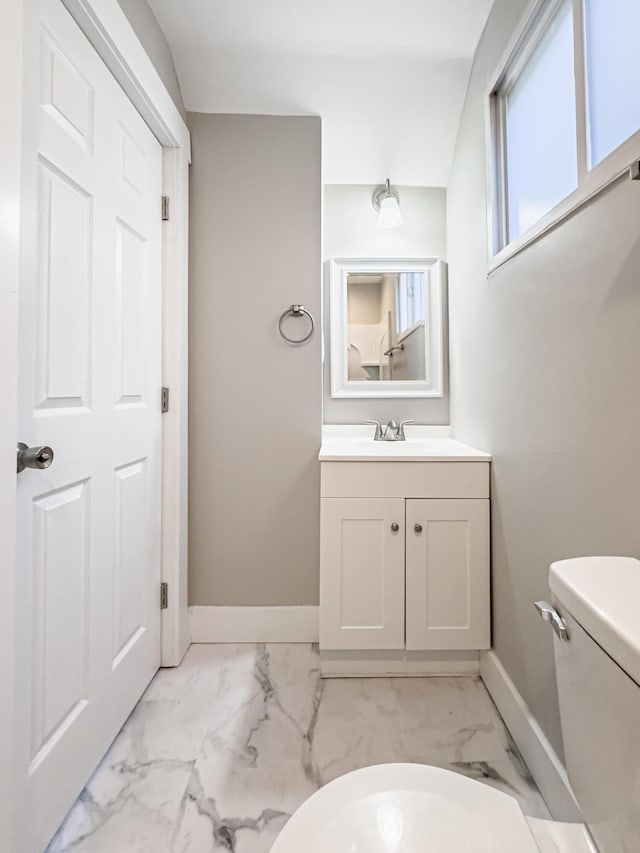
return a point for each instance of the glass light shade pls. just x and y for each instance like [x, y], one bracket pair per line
[389, 216]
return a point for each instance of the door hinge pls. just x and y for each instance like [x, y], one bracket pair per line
[164, 596]
[165, 400]
[165, 208]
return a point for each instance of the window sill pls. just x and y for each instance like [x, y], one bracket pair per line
[406, 332]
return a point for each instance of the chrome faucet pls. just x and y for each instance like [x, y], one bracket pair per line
[391, 432]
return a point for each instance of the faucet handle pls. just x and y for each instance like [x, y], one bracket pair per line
[401, 434]
[378, 426]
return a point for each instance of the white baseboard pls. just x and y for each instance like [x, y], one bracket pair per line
[378, 664]
[213, 624]
[541, 759]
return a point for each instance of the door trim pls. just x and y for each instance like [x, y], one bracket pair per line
[107, 28]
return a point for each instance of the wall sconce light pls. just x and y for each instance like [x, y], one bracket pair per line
[387, 202]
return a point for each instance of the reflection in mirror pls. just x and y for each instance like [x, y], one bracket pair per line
[386, 326]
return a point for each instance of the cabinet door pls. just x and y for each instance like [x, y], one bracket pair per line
[362, 573]
[448, 574]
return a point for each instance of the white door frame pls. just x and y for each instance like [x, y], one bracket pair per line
[107, 28]
[109, 31]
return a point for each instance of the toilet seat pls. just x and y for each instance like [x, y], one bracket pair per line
[407, 808]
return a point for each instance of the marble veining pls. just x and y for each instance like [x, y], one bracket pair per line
[220, 752]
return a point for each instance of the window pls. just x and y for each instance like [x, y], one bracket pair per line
[410, 301]
[565, 117]
[542, 165]
[613, 69]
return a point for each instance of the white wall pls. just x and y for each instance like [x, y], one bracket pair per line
[545, 374]
[350, 230]
[388, 81]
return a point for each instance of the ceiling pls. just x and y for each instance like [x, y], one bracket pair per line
[388, 77]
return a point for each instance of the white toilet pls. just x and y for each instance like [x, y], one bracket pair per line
[414, 808]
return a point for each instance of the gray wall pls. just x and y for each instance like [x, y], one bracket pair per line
[255, 402]
[545, 359]
[143, 21]
[351, 231]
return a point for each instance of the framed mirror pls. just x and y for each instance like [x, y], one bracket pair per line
[387, 328]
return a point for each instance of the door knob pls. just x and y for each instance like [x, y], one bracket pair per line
[417, 528]
[395, 527]
[33, 457]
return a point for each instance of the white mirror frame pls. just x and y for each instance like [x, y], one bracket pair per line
[433, 385]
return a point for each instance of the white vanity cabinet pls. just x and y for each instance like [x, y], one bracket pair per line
[405, 555]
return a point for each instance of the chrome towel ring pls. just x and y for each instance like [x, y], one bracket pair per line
[296, 311]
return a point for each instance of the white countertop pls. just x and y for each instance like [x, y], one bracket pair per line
[414, 449]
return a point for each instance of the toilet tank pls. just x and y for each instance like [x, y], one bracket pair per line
[598, 674]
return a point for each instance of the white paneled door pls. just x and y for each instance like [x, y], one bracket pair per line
[90, 376]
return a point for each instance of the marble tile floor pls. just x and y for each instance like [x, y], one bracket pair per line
[219, 752]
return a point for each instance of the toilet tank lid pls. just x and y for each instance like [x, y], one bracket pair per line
[603, 595]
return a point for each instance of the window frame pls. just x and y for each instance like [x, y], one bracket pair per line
[415, 322]
[590, 181]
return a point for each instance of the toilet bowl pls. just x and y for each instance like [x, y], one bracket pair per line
[416, 808]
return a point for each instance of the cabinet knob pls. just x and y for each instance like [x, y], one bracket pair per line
[395, 527]
[417, 528]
